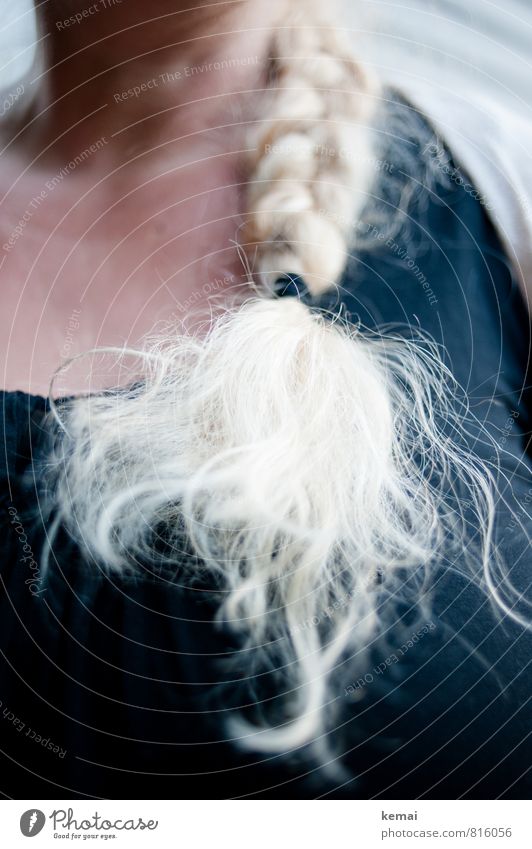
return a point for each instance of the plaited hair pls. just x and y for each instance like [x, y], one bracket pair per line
[311, 152]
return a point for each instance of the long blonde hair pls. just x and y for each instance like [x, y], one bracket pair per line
[302, 460]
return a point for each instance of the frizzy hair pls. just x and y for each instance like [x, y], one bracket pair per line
[298, 460]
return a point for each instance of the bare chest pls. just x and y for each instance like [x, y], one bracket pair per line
[95, 258]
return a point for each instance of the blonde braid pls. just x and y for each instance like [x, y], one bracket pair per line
[308, 171]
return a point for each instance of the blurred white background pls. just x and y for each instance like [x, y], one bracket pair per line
[484, 44]
[17, 41]
[473, 43]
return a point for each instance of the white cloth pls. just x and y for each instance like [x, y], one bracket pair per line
[494, 147]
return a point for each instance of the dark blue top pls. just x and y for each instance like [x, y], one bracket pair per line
[111, 687]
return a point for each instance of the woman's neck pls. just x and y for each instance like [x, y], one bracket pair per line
[118, 63]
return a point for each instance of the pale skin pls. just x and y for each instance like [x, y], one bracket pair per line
[119, 210]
